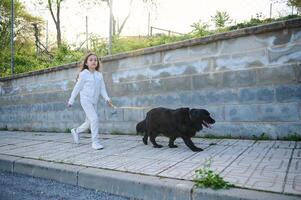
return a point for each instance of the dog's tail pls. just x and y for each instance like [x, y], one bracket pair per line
[141, 127]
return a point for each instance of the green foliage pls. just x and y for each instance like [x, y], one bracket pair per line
[115, 132]
[130, 44]
[258, 21]
[296, 3]
[211, 136]
[127, 44]
[27, 60]
[292, 137]
[67, 130]
[4, 128]
[205, 177]
[24, 51]
[200, 29]
[165, 39]
[262, 136]
[221, 19]
[64, 54]
[98, 46]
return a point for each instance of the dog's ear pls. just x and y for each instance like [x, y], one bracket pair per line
[194, 114]
[184, 112]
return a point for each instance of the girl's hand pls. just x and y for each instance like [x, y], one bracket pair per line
[110, 104]
[69, 105]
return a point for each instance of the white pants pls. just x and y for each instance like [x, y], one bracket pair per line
[91, 120]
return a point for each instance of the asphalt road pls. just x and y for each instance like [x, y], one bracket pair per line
[17, 187]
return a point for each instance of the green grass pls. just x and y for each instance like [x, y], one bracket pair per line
[4, 128]
[206, 178]
[67, 130]
[262, 136]
[211, 136]
[291, 137]
[114, 132]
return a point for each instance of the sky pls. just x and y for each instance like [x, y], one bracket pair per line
[174, 15]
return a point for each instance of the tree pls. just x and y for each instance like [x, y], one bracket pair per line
[116, 28]
[54, 7]
[295, 3]
[221, 19]
[200, 29]
[23, 36]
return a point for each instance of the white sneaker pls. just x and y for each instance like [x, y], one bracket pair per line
[96, 145]
[75, 136]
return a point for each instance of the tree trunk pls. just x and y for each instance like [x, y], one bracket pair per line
[56, 20]
[58, 25]
[58, 35]
[125, 20]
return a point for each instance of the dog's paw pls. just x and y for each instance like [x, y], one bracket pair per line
[144, 141]
[172, 146]
[197, 149]
[158, 146]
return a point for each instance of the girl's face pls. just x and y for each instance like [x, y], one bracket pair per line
[92, 62]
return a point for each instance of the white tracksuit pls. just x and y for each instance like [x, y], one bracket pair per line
[90, 86]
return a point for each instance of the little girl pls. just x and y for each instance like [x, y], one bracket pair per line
[90, 84]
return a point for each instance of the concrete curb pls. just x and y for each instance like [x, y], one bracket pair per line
[128, 184]
[133, 185]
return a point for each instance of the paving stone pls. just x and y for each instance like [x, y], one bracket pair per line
[255, 153]
[275, 166]
[209, 141]
[138, 166]
[234, 171]
[284, 144]
[185, 170]
[19, 145]
[274, 184]
[43, 151]
[210, 152]
[298, 145]
[233, 151]
[261, 165]
[227, 142]
[247, 143]
[295, 166]
[245, 162]
[112, 162]
[297, 153]
[264, 144]
[85, 158]
[279, 154]
[180, 170]
[293, 184]
[236, 180]
[269, 175]
[73, 151]
[152, 168]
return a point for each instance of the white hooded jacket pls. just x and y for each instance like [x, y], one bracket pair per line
[90, 85]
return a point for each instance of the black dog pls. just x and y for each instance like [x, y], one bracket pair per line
[182, 122]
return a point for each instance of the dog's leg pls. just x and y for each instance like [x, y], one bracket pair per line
[153, 140]
[190, 144]
[171, 142]
[145, 138]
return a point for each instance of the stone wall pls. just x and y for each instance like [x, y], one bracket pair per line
[248, 79]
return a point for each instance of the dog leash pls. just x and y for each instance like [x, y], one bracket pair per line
[130, 107]
[126, 107]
